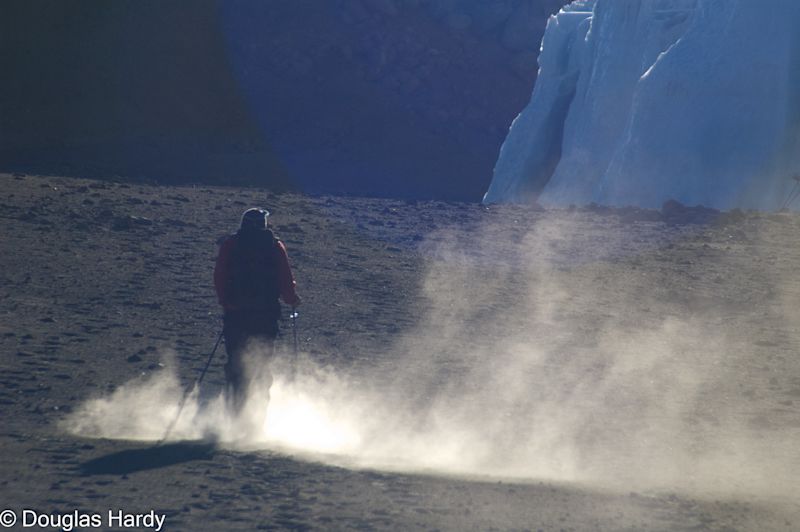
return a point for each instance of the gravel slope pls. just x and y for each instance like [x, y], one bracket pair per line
[658, 348]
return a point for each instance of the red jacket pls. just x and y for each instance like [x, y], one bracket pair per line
[286, 281]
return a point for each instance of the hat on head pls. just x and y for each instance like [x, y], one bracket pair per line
[255, 218]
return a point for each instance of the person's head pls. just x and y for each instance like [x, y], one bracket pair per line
[255, 219]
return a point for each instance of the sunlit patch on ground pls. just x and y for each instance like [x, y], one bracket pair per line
[296, 419]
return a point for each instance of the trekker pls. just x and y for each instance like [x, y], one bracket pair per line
[252, 272]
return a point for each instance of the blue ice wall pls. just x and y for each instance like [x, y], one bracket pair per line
[693, 100]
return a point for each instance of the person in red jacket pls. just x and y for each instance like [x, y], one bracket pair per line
[252, 273]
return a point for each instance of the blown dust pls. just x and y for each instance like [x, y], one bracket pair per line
[460, 367]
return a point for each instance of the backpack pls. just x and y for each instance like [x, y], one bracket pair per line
[252, 282]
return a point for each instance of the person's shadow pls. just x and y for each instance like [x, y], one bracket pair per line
[153, 457]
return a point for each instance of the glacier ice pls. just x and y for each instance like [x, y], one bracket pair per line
[641, 101]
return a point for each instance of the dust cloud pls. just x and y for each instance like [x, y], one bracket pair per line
[557, 352]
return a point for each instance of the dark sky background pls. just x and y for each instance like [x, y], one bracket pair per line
[396, 98]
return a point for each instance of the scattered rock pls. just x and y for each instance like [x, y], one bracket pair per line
[179, 197]
[177, 223]
[636, 214]
[125, 223]
[674, 212]
[731, 217]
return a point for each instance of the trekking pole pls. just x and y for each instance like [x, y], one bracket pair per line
[793, 194]
[189, 390]
[294, 316]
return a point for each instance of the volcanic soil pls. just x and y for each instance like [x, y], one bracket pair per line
[99, 280]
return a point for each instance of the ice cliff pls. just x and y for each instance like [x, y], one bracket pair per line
[640, 101]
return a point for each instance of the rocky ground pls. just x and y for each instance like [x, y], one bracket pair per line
[578, 369]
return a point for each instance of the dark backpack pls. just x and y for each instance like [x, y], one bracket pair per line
[252, 282]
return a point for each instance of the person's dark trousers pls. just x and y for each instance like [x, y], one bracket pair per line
[249, 342]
